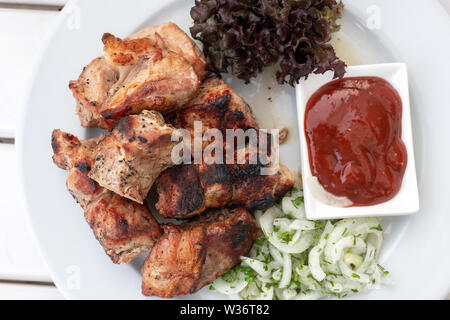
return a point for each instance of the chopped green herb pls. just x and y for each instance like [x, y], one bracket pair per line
[261, 241]
[298, 201]
[295, 280]
[379, 228]
[286, 237]
[230, 276]
[318, 224]
[248, 273]
[267, 258]
[385, 272]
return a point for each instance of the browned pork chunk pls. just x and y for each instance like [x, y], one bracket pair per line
[217, 106]
[124, 228]
[178, 41]
[188, 190]
[130, 159]
[189, 257]
[159, 68]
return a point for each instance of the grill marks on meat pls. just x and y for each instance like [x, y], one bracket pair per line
[129, 160]
[124, 228]
[188, 190]
[218, 107]
[159, 68]
[190, 256]
[182, 192]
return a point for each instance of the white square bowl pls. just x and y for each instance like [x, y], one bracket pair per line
[407, 200]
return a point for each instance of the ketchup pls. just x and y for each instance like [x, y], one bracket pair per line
[354, 136]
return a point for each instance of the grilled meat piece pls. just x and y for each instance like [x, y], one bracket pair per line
[130, 159]
[190, 256]
[159, 68]
[124, 228]
[217, 106]
[188, 190]
[178, 41]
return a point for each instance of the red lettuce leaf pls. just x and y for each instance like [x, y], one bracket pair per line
[245, 36]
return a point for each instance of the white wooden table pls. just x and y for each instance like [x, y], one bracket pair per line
[23, 26]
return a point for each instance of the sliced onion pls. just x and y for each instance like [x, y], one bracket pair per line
[314, 263]
[267, 293]
[316, 253]
[353, 275]
[340, 246]
[339, 231]
[234, 287]
[283, 223]
[298, 247]
[287, 271]
[288, 294]
[303, 225]
[266, 220]
[276, 255]
[258, 215]
[287, 205]
[345, 243]
[259, 267]
[370, 256]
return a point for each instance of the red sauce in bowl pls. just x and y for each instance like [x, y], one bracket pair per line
[354, 136]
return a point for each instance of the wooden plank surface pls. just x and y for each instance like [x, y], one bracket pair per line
[27, 291]
[22, 33]
[34, 2]
[19, 255]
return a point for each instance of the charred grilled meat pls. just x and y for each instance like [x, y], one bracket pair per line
[130, 159]
[124, 228]
[159, 68]
[188, 190]
[217, 106]
[190, 256]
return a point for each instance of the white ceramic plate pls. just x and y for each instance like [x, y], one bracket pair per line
[413, 31]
